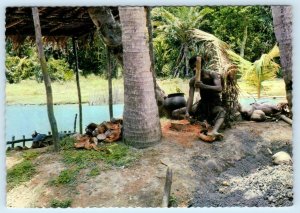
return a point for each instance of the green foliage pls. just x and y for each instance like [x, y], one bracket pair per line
[60, 204]
[59, 70]
[229, 22]
[67, 143]
[67, 176]
[17, 69]
[117, 155]
[94, 172]
[121, 155]
[20, 173]
[173, 202]
[172, 37]
[30, 155]
[260, 70]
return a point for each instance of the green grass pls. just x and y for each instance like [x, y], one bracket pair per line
[30, 155]
[20, 173]
[60, 204]
[94, 89]
[67, 176]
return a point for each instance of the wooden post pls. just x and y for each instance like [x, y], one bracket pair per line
[23, 141]
[110, 96]
[75, 122]
[12, 140]
[167, 188]
[49, 133]
[47, 81]
[78, 85]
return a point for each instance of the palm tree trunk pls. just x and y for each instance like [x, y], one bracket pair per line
[140, 118]
[243, 45]
[47, 81]
[110, 29]
[78, 85]
[282, 21]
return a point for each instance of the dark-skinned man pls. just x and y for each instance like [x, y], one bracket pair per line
[209, 107]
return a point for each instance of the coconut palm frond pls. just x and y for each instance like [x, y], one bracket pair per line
[216, 45]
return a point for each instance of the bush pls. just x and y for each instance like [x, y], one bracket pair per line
[18, 69]
[59, 70]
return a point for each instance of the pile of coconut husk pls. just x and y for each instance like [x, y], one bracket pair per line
[106, 132]
[203, 129]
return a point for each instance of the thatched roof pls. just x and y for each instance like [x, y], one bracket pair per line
[57, 23]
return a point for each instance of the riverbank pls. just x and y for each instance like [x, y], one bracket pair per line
[94, 90]
[237, 171]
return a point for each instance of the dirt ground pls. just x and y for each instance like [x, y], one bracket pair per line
[236, 171]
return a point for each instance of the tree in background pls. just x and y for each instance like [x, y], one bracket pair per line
[172, 37]
[247, 29]
[140, 117]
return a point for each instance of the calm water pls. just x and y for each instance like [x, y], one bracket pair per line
[24, 119]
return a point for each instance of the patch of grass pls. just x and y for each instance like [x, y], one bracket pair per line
[30, 155]
[67, 176]
[94, 90]
[118, 155]
[67, 143]
[94, 172]
[60, 204]
[20, 173]
[121, 155]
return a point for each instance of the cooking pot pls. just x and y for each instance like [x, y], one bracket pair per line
[174, 101]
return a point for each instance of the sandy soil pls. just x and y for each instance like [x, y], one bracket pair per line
[199, 169]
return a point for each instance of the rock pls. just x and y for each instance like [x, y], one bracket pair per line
[258, 115]
[225, 183]
[271, 199]
[282, 158]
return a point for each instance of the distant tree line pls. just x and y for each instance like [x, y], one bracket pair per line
[247, 29]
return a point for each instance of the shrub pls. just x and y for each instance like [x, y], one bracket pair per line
[60, 204]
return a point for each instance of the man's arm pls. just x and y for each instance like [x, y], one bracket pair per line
[191, 97]
[217, 83]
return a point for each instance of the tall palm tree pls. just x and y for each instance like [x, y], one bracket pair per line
[140, 118]
[174, 25]
[282, 20]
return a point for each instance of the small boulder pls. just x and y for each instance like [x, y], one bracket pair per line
[282, 158]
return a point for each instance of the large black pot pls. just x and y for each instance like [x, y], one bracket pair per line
[174, 101]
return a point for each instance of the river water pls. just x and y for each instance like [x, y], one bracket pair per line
[24, 119]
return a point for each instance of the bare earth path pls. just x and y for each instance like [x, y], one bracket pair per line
[199, 172]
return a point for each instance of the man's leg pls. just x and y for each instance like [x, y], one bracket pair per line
[220, 116]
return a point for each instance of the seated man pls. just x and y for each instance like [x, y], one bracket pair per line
[209, 107]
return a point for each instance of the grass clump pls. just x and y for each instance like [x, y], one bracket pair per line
[117, 154]
[60, 204]
[30, 155]
[20, 173]
[121, 155]
[94, 172]
[67, 176]
[67, 143]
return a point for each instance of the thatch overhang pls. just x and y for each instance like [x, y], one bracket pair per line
[57, 23]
